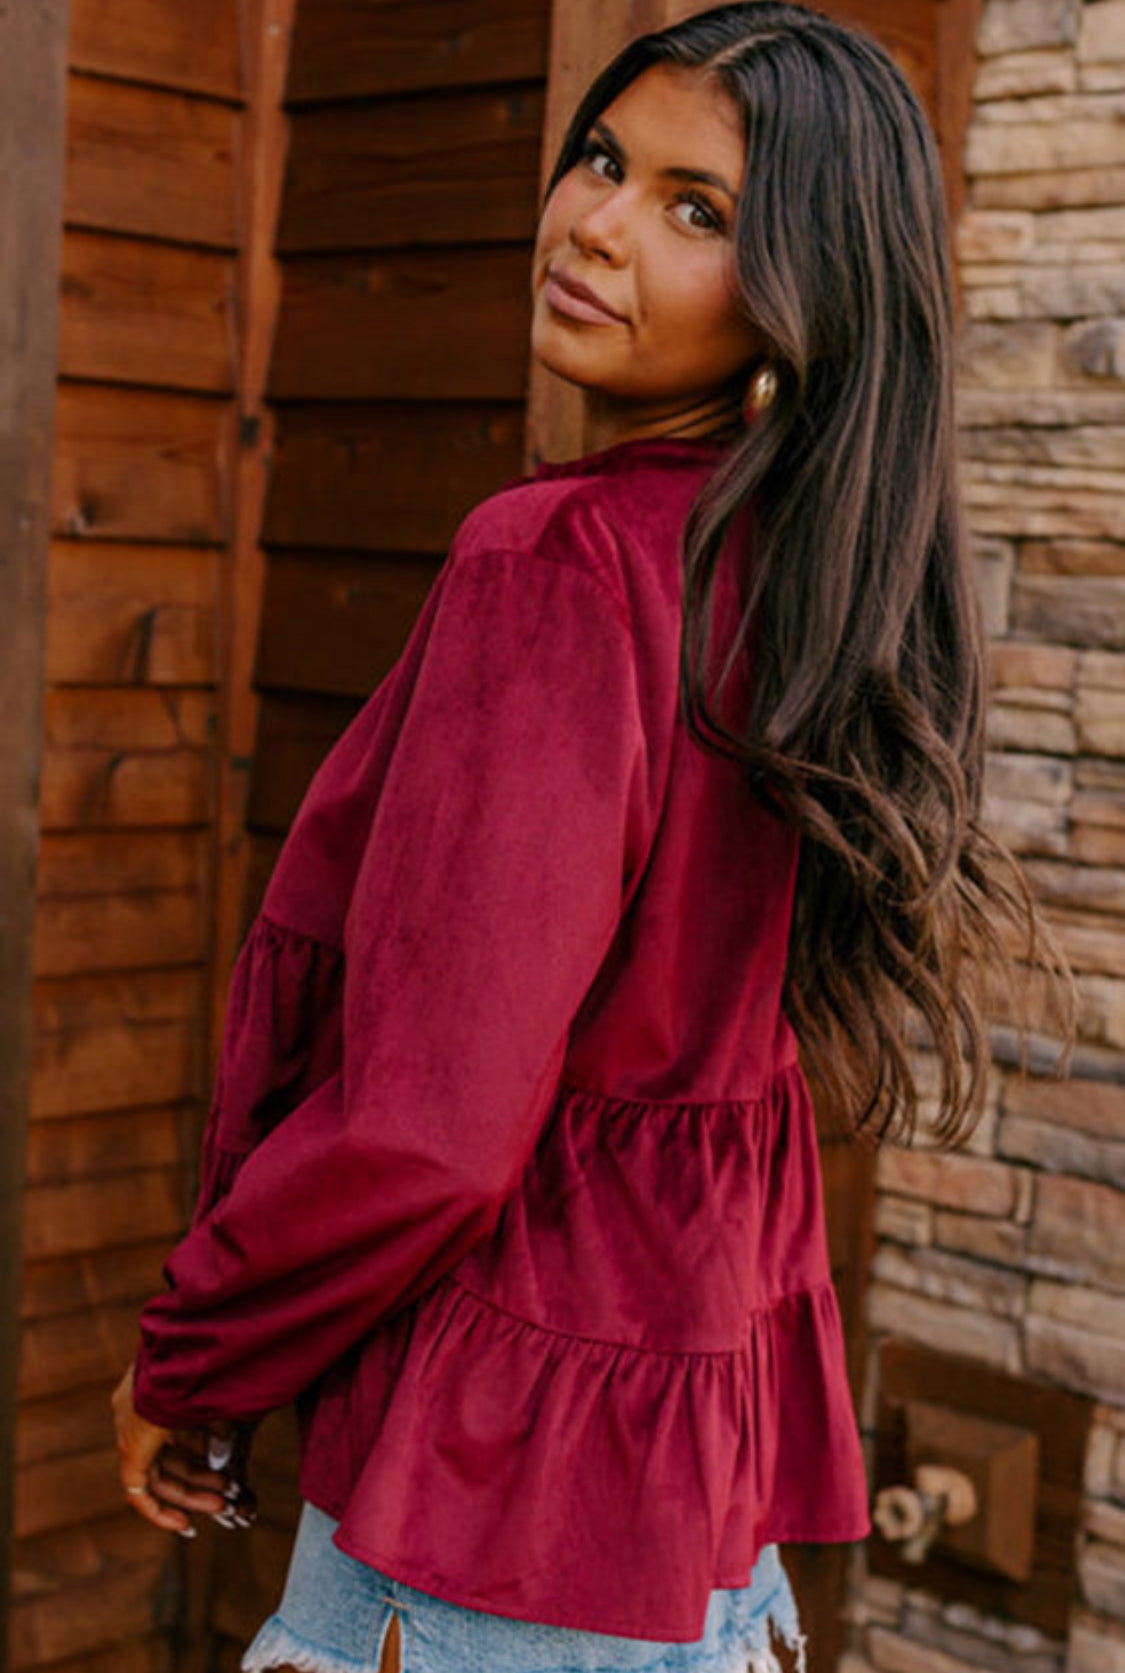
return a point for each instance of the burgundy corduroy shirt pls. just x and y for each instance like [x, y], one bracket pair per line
[511, 1178]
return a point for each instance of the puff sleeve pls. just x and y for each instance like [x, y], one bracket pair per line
[509, 816]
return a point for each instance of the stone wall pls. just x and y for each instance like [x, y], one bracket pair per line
[1013, 1250]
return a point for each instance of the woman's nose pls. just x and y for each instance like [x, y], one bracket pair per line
[602, 230]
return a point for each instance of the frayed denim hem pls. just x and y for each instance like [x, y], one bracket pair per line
[276, 1644]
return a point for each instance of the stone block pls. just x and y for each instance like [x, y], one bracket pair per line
[1097, 1474]
[896, 1653]
[1084, 1106]
[1061, 1150]
[1095, 1646]
[1072, 557]
[1017, 25]
[1101, 35]
[1017, 75]
[952, 1278]
[1101, 1018]
[944, 1327]
[1075, 1358]
[995, 234]
[1078, 1231]
[1030, 777]
[1020, 147]
[1104, 1520]
[1080, 610]
[947, 1180]
[1009, 726]
[1096, 349]
[903, 1218]
[1100, 718]
[1101, 1575]
[1021, 354]
[1048, 188]
[1070, 292]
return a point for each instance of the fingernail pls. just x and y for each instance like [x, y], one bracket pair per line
[234, 1491]
[242, 1521]
[219, 1452]
[223, 1518]
[188, 1533]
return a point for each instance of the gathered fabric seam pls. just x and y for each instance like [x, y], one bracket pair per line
[635, 1347]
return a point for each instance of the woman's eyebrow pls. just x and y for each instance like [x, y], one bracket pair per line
[607, 133]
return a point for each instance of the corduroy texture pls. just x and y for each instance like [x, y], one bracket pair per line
[511, 1176]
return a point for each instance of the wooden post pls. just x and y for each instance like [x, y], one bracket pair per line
[33, 42]
[267, 35]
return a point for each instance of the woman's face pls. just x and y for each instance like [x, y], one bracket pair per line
[644, 219]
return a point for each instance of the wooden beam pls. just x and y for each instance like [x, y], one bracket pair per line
[33, 42]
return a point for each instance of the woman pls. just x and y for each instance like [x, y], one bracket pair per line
[511, 1178]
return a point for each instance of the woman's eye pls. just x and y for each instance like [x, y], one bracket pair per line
[592, 150]
[711, 222]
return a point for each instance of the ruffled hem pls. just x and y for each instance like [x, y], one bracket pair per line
[550, 1464]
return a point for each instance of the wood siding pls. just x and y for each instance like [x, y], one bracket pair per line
[139, 516]
[394, 400]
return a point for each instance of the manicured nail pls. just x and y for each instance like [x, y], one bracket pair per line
[219, 1452]
[188, 1533]
[234, 1491]
[223, 1518]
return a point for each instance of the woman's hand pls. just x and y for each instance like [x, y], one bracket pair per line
[161, 1473]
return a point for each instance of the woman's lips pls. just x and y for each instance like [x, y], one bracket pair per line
[578, 307]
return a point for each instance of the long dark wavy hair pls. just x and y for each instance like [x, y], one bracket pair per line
[859, 611]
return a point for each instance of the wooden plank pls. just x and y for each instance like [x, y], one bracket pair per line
[126, 756]
[61, 1491]
[139, 312]
[119, 900]
[83, 933]
[410, 171]
[193, 48]
[378, 477]
[102, 1607]
[85, 1215]
[33, 45]
[64, 1352]
[158, 164]
[268, 26]
[64, 1152]
[97, 1278]
[131, 614]
[116, 1042]
[336, 624]
[132, 464]
[295, 735]
[346, 49]
[70, 1422]
[152, 1653]
[415, 325]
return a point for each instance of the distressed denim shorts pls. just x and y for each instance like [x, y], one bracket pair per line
[335, 1612]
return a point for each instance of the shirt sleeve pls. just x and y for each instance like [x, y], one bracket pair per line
[489, 891]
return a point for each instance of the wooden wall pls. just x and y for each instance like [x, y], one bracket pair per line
[399, 375]
[145, 431]
[396, 399]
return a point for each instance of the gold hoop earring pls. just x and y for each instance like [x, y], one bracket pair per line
[760, 392]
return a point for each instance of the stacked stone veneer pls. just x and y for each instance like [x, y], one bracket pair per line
[1013, 1250]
